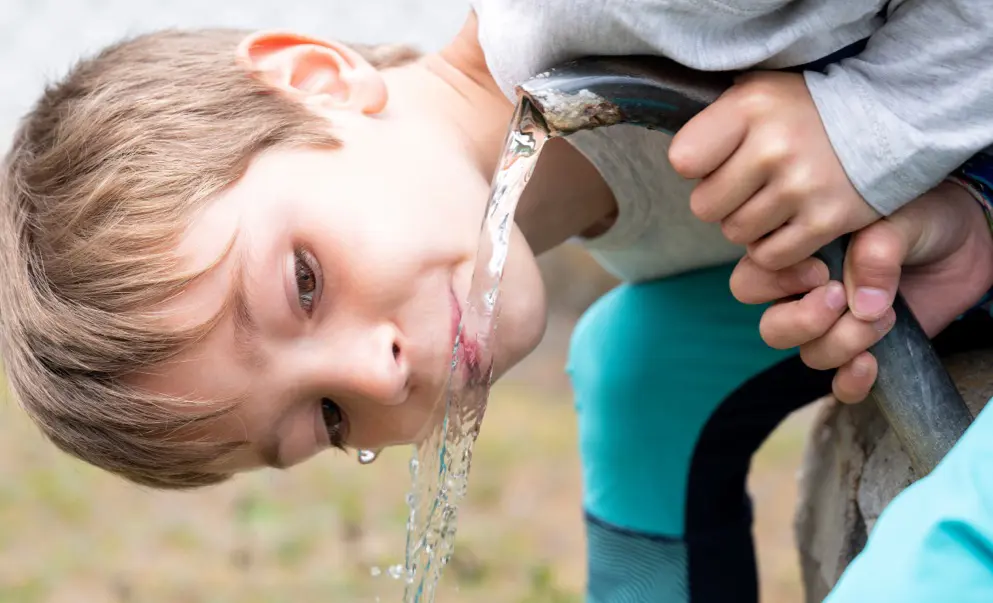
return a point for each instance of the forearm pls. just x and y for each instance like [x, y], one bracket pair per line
[916, 103]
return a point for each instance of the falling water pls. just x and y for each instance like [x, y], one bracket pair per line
[440, 464]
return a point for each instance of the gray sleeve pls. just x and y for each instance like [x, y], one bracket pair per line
[914, 105]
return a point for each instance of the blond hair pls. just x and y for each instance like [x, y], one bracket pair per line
[104, 175]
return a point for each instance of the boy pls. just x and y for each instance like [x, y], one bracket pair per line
[206, 271]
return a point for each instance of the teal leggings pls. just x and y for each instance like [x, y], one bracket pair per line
[675, 390]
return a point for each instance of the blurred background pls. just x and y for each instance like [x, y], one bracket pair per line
[69, 534]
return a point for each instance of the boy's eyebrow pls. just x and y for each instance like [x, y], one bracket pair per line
[270, 445]
[246, 328]
[246, 335]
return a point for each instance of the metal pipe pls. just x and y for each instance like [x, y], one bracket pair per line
[913, 390]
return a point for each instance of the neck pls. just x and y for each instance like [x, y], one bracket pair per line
[566, 197]
[479, 110]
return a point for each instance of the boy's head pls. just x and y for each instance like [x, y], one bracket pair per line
[223, 250]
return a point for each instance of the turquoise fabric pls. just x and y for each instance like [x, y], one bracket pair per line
[934, 542]
[649, 363]
[625, 567]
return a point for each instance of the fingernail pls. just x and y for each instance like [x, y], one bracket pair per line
[885, 323]
[834, 297]
[870, 301]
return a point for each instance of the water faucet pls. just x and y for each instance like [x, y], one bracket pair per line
[913, 390]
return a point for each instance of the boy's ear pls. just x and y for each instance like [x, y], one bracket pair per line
[314, 71]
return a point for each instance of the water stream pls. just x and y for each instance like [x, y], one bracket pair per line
[439, 468]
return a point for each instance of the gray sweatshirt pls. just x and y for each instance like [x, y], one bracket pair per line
[902, 115]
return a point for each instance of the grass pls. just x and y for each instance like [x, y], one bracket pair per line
[70, 534]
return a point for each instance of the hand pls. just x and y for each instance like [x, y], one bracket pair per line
[766, 166]
[944, 245]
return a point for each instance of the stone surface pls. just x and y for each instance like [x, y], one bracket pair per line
[853, 467]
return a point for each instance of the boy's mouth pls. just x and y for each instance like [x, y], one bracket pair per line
[456, 315]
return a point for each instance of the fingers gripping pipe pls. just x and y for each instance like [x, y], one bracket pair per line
[913, 390]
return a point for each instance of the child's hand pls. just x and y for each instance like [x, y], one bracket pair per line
[944, 244]
[767, 166]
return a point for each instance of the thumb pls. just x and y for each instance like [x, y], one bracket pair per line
[872, 267]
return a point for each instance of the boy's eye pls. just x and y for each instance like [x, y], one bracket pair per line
[307, 273]
[333, 422]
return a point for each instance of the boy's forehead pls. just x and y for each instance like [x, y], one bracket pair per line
[209, 369]
[212, 248]
[211, 231]
[207, 249]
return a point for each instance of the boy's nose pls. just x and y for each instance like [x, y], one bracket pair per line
[378, 371]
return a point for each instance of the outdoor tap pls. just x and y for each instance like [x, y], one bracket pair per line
[913, 390]
[651, 92]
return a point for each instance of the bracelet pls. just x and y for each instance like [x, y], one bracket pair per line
[977, 194]
[976, 177]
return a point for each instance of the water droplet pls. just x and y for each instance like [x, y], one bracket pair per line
[375, 571]
[367, 456]
[396, 571]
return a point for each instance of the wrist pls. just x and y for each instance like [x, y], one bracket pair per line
[976, 176]
[980, 233]
[972, 276]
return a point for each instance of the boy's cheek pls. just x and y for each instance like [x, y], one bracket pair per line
[523, 310]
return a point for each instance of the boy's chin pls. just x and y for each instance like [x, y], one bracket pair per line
[518, 338]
